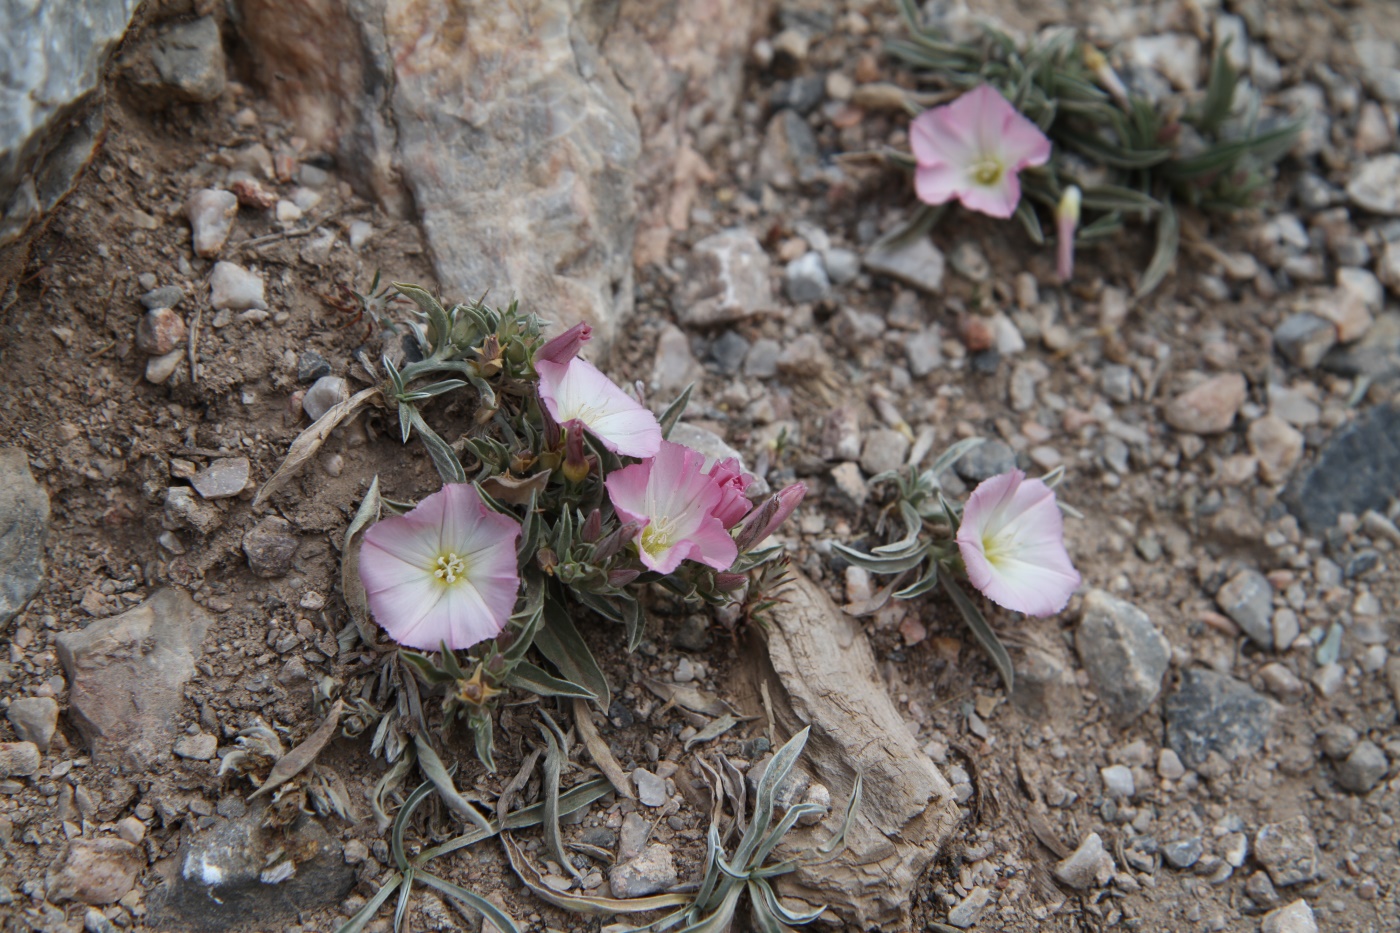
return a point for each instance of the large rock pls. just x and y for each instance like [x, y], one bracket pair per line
[52, 58]
[95, 871]
[1213, 712]
[128, 673]
[515, 129]
[821, 672]
[24, 525]
[241, 873]
[1123, 652]
[1358, 469]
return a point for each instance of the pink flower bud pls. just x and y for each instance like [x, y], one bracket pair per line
[1066, 222]
[565, 347]
[765, 519]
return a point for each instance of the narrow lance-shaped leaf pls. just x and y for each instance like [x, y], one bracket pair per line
[980, 629]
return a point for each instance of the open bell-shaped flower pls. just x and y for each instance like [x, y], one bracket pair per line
[578, 391]
[1012, 542]
[973, 150]
[445, 572]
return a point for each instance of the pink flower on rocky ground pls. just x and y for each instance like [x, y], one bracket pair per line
[1012, 541]
[674, 502]
[577, 390]
[444, 572]
[972, 150]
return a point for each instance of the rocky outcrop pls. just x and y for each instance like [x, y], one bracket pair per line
[52, 59]
[532, 137]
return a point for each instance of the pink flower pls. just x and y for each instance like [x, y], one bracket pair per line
[733, 482]
[444, 572]
[1066, 222]
[765, 519]
[972, 150]
[565, 347]
[578, 391]
[1012, 541]
[673, 501]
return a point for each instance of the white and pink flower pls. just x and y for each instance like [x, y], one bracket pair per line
[973, 150]
[1012, 542]
[444, 572]
[674, 501]
[577, 390]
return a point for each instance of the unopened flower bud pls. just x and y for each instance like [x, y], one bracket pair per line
[613, 543]
[575, 460]
[565, 347]
[592, 527]
[622, 577]
[765, 519]
[1066, 223]
[729, 582]
[1105, 75]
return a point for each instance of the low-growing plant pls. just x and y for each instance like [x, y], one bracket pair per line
[1007, 540]
[1116, 155]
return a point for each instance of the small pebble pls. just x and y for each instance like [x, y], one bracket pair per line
[211, 213]
[235, 288]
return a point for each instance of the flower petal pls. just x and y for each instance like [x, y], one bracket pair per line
[579, 390]
[398, 560]
[943, 136]
[996, 200]
[938, 184]
[1025, 586]
[1021, 142]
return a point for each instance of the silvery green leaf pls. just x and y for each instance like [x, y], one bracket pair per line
[673, 412]
[1164, 254]
[981, 630]
[949, 457]
[441, 453]
[560, 642]
[434, 770]
[529, 677]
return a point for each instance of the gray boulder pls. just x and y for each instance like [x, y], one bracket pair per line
[24, 526]
[540, 143]
[53, 55]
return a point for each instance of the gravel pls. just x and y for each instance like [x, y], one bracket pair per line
[1088, 866]
[1248, 599]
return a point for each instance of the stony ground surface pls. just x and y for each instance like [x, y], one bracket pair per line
[1206, 739]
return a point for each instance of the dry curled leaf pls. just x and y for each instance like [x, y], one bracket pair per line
[292, 763]
[310, 441]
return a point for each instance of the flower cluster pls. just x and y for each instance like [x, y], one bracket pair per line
[448, 573]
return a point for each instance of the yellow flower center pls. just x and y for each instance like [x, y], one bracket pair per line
[995, 548]
[449, 568]
[656, 537]
[987, 170]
